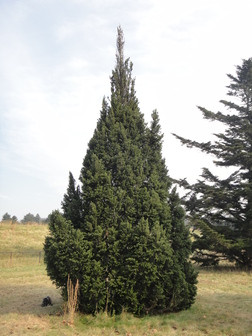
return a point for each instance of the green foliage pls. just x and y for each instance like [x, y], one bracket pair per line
[6, 216]
[117, 235]
[31, 218]
[221, 208]
[14, 219]
[71, 203]
[184, 279]
[66, 251]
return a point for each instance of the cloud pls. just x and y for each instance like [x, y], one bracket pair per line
[55, 63]
[5, 197]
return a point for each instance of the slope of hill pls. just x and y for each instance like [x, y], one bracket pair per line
[223, 305]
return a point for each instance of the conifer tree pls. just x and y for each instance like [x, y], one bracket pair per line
[71, 203]
[222, 208]
[126, 221]
[6, 217]
[183, 275]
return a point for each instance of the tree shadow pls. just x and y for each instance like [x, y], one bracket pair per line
[27, 299]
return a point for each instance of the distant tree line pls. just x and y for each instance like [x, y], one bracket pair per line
[27, 218]
[8, 217]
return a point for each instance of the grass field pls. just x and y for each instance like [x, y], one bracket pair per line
[223, 305]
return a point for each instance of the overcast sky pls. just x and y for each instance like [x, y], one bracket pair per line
[55, 62]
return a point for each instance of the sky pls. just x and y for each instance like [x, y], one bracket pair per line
[56, 61]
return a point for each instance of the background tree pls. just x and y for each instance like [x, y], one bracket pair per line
[47, 219]
[37, 218]
[222, 208]
[14, 219]
[28, 218]
[6, 217]
[123, 218]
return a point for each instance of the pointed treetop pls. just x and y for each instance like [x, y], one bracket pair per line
[122, 84]
[120, 45]
[241, 84]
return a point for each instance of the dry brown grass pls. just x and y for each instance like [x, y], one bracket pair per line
[22, 290]
[72, 300]
[223, 306]
[21, 244]
[22, 237]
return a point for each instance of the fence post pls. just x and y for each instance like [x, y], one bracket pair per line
[11, 255]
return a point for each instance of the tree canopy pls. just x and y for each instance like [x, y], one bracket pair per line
[6, 217]
[122, 233]
[31, 218]
[222, 208]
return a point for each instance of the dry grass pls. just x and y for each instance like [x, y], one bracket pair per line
[22, 290]
[21, 244]
[72, 300]
[22, 237]
[223, 306]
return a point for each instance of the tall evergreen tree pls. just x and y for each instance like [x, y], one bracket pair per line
[222, 208]
[126, 224]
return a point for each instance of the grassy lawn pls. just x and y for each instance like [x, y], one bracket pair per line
[223, 305]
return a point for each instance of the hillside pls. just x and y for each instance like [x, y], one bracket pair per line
[22, 237]
[223, 305]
